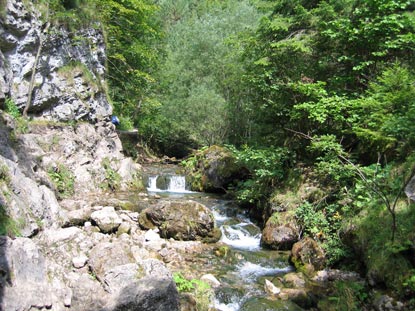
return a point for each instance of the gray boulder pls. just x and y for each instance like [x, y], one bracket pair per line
[279, 237]
[147, 294]
[308, 252]
[215, 170]
[106, 219]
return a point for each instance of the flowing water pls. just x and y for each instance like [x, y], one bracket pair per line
[243, 271]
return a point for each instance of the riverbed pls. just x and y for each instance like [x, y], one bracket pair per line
[237, 261]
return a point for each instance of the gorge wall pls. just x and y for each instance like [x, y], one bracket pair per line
[56, 169]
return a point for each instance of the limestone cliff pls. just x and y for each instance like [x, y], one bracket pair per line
[57, 167]
[66, 80]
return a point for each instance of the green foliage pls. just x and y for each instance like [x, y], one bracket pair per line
[267, 168]
[21, 124]
[4, 174]
[112, 178]
[126, 124]
[12, 109]
[8, 226]
[323, 222]
[63, 179]
[200, 91]
[346, 296]
[132, 52]
[3, 8]
[201, 290]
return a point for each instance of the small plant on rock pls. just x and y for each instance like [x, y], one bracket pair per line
[63, 179]
[112, 178]
[200, 290]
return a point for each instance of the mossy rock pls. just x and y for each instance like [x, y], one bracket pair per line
[181, 220]
[216, 168]
[308, 256]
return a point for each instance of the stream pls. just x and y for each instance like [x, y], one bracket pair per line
[241, 274]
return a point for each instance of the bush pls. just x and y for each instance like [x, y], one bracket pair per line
[267, 168]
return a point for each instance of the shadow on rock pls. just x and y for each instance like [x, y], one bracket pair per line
[5, 278]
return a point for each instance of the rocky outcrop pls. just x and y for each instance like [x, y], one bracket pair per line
[68, 74]
[184, 220]
[52, 172]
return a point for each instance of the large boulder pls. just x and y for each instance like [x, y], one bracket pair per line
[216, 169]
[147, 294]
[184, 220]
[24, 282]
[279, 237]
[308, 253]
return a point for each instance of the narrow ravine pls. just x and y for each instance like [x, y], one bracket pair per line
[242, 271]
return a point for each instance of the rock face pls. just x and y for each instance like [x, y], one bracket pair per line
[179, 220]
[216, 169]
[68, 78]
[50, 172]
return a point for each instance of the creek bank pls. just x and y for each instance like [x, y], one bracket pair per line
[284, 214]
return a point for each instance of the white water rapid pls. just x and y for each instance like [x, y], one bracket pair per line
[243, 270]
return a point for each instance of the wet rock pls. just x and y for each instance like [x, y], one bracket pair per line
[186, 220]
[106, 219]
[308, 253]
[279, 237]
[296, 295]
[187, 302]
[263, 304]
[271, 288]
[294, 280]
[331, 275]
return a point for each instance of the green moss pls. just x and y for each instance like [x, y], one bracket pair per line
[201, 291]
[9, 226]
[76, 67]
[3, 8]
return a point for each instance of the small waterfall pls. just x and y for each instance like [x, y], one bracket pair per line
[177, 184]
[167, 183]
[152, 183]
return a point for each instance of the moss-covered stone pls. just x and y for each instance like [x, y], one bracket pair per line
[214, 169]
[308, 256]
[181, 220]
